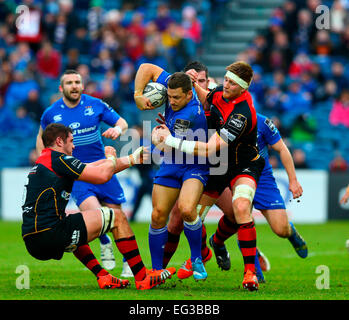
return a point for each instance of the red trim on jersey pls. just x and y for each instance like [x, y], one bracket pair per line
[226, 111]
[232, 182]
[46, 159]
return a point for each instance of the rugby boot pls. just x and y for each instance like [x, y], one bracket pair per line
[298, 242]
[199, 272]
[107, 255]
[154, 278]
[222, 255]
[263, 261]
[186, 270]
[250, 281]
[110, 282]
[126, 271]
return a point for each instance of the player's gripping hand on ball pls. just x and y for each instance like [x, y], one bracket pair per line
[142, 102]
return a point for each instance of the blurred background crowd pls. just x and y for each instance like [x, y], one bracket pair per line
[301, 76]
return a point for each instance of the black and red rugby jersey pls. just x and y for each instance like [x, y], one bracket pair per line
[48, 189]
[235, 121]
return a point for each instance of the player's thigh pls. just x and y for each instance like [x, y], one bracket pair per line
[189, 197]
[163, 199]
[90, 203]
[278, 221]
[93, 223]
[225, 202]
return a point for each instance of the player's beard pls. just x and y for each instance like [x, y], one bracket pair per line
[68, 95]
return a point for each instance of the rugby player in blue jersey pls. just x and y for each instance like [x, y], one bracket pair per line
[180, 177]
[83, 114]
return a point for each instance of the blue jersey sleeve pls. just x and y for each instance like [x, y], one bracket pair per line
[270, 133]
[163, 78]
[46, 118]
[109, 115]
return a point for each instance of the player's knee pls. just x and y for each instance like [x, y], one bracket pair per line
[188, 213]
[120, 218]
[241, 206]
[158, 218]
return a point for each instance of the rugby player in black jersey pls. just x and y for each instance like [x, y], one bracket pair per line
[48, 231]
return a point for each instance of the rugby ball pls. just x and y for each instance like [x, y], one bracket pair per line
[156, 93]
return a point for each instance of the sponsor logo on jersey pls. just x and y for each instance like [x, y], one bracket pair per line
[74, 125]
[89, 111]
[269, 123]
[181, 126]
[65, 195]
[57, 118]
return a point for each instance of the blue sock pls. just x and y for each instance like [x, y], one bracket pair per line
[157, 239]
[193, 232]
[104, 239]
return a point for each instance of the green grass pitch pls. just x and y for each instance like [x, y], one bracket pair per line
[321, 276]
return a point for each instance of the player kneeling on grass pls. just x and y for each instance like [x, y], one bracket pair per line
[48, 232]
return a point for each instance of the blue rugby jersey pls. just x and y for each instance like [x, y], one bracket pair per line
[189, 123]
[267, 134]
[84, 120]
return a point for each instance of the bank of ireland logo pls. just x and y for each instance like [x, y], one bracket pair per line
[74, 125]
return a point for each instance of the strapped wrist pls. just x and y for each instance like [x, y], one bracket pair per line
[113, 159]
[118, 129]
[173, 142]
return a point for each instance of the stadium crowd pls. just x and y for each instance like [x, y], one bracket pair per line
[301, 72]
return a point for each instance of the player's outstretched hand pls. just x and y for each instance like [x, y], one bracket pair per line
[192, 73]
[109, 151]
[345, 197]
[296, 189]
[141, 155]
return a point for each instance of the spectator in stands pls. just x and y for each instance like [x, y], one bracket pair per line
[299, 159]
[23, 125]
[191, 30]
[296, 101]
[338, 75]
[151, 55]
[340, 111]
[33, 105]
[272, 101]
[338, 17]
[73, 56]
[301, 63]
[305, 30]
[322, 44]
[49, 61]
[17, 91]
[338, 164]
[304, 129]
[163, 17]
[326, 91]
[103, 63]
